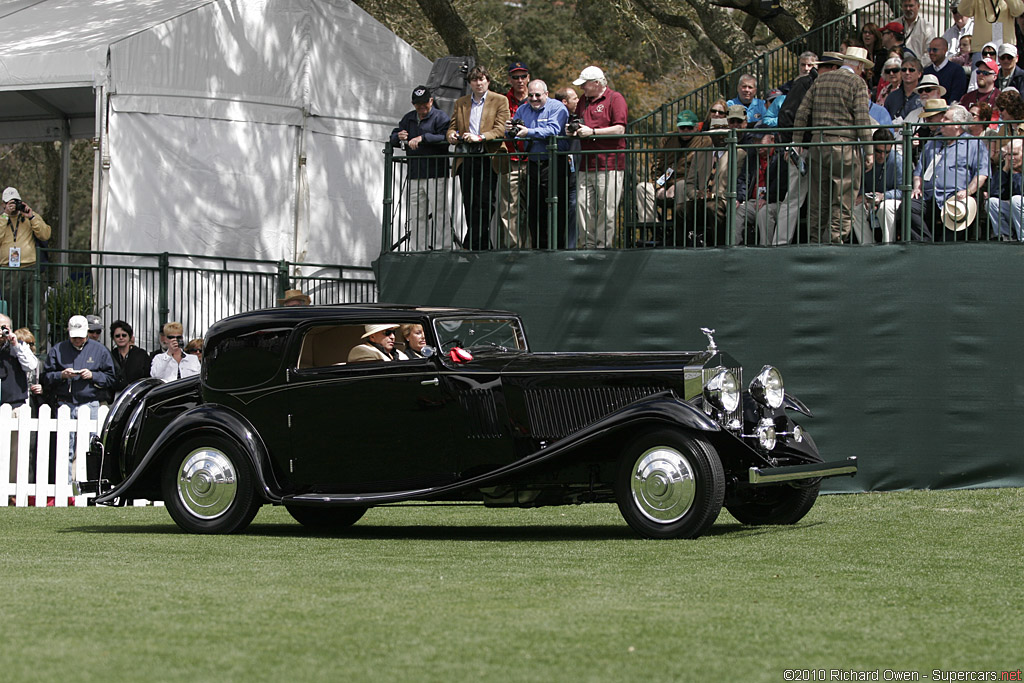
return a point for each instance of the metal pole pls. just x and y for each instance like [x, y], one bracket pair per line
[389, 200]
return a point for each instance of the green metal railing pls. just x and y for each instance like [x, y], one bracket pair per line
[147, 290]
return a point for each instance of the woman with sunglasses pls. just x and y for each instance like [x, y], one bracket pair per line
[890, 80]
[718, 110]
[131, 363]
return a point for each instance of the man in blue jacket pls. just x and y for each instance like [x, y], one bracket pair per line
[421, 133]
[78, 371]
[544, 118]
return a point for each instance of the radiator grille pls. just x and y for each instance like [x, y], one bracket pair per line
[481, 413]
[555, 413]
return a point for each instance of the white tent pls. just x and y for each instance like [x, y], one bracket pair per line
[241, 128]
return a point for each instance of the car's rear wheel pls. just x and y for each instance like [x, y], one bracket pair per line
[781, 504]
[209, 486]
[325, 518]
[670, 485]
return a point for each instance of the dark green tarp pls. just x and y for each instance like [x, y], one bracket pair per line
[906, 354]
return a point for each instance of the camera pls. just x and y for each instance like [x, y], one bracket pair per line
[19, 206]
[180, 341]
[516, 123]
[573, 125]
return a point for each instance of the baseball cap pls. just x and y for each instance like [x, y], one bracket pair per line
[736, 111]
[421, 94]
[78, 326]
[893, 27]
[1007, 49]
[517, 66]
[95, 323]
[719, 123]
[686, 118]
[989, 64]
[591, 73]
[9, 194]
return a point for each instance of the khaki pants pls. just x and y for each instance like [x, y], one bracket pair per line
[597, 204]
[835, 175]
[511, 186]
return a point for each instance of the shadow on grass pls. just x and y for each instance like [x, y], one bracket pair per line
[531, 533]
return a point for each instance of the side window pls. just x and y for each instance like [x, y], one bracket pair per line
[331, 345]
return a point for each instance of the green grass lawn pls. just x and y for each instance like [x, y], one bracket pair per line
[904, 581]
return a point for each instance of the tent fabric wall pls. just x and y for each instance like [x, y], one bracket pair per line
[905, 354]
[250, 126]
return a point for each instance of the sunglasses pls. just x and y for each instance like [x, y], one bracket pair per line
[520, 77]
[986, 73]
[927, 89]
[389, 333]
[933, 49]
[121, 335]
[194, 352]
[988, 53]
[1002, 57]
[892, 71]
[908, 70]
[718, 111]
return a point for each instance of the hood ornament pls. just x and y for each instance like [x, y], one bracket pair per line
[711, 340]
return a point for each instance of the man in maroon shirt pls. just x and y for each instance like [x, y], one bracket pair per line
[987, 91]
[509, 187]
[600, 176]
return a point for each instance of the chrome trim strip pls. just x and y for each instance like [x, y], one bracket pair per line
[836, 468]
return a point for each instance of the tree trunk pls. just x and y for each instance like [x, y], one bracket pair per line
[450, 26]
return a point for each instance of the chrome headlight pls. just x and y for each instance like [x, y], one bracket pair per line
[722, 391]
[767, 387]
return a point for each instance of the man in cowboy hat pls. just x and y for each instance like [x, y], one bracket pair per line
[839, 101]
[379, 344]
[953, 166]
[294, 297]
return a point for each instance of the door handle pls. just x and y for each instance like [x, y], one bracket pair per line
[430, 382]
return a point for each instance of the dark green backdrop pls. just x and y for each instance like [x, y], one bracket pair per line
[905, 354]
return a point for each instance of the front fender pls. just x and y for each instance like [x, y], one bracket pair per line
[208, 417]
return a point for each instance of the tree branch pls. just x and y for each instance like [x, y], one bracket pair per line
[450, 26]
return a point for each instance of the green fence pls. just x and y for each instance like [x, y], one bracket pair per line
[147, 290]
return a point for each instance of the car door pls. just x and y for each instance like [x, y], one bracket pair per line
[373, 426]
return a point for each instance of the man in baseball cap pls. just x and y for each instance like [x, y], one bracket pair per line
[421, 133]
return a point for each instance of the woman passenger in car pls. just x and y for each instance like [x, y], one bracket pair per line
[415, 341]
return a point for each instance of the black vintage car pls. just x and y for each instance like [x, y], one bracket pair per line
[280, 416]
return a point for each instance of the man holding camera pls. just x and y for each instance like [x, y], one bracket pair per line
[174, 363]
[79, 372]
[21, 227]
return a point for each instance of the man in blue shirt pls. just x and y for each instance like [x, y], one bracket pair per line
[421, 134]
[954, 165]
[540, 121]
[747, 96]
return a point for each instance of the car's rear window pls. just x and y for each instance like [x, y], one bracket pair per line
[245, 360]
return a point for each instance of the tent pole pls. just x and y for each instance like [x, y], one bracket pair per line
[65, 178]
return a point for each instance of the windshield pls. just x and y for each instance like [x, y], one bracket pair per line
[480, 334]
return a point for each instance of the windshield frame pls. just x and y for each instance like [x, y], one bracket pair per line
[445, 337]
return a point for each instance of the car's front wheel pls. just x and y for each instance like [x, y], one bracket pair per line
[209, 487]
[670, 485]
[325, 518]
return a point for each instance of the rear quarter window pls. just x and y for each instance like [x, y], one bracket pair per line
[245, 360]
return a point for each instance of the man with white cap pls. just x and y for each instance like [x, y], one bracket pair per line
[600, 176]
[1009, 75]
[379, 344]
[21, 227]
[79, 371]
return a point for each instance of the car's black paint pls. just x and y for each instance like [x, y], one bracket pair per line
[509, 427]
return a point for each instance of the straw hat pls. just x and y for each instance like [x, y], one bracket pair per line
[934, 107]
[853, 54]
[930, 81]
[294, 295]
[957, 214]
[377, 327]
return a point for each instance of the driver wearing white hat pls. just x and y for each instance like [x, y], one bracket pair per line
[379, 344]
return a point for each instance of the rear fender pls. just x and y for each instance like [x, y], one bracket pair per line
[205, 418]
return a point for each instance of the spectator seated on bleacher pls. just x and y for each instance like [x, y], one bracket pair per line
[760, 188]
[1004, 201]
[875, 209]
[668, 167]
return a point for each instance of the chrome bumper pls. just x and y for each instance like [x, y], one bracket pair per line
[815, 470]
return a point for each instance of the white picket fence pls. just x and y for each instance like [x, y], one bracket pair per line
[43, 425]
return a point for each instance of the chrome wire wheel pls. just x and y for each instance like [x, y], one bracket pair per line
[207, 483]
[663, 485]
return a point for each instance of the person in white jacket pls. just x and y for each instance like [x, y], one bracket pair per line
[174, 363]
